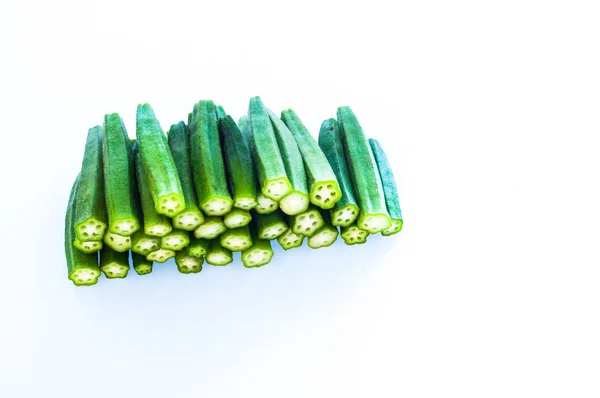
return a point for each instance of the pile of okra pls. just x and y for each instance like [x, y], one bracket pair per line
[212, 186]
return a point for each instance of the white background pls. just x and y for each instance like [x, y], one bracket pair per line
[490, 114]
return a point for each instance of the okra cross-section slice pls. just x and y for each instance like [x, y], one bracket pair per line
[326, 235]
[217, 254]
[198, 247]
[175, 241]
[114, 264]
[82, 268]
[238, 159]
[89, 246]
[260, 253]
[117, 242]
[141, 264]
[155, 224]
[272, 176]
[144, 244]
[90, 215]
[179, 142]
[208, 168]
[289, 239]
[119, 179]
[390, 191]
[324, 188]
[297, 200]
[158, 163]
[237, 239]
[270, 226]
[161, 255]
[353, 235]
[237, 218]
[211, 228]
[188, 264]
[308, 222]
[365, 177]
[345, 211]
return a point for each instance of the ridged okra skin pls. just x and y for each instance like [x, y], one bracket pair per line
[90, 217]
[345, 211]
[217, 254]
[179, 142]
[326, 235]
[220, 112]
[260, 253]
[188, 264]
[365, 177]
[158, 163]
[119, 178]
[272, 176]
[390, 190]
[208, 167]
[141, 265]
[297, 200]
[323, 185]
[82, 268]
[114, 264]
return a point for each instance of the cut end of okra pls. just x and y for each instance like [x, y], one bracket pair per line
[175, 241]
[117, 242]
[323, 238]
[90, 230]
[84, 276]
[256, 257]
[159, 230]
[161, 255]
[217, 206]
[294, 203]
[237, 218]
[289, 240]
[273, 231]
[245, 203]
[345, 216]
[235, 243]
[146, 245]
[170, 205]
[114, 270]
[88, 247]
[374, 223]
[277, 189]
[187, 264]
[353, 235]
[143, 269]
[265, 205]
[124, 227]
[394, 229]
[188, 220]
[198, 248]
[211, 228]
[307, 223]
[218, 258]
[325, 194]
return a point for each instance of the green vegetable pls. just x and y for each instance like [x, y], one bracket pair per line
[159, 166]
[390, 191]
[140, 264]
[117, 242]
[186, 263]
[114, 264]
[119, 182]
[90, 215]
[345, 211]
[82, 268]
[198, 247]
[144, 244]
[353, 235]
[207, 161]
[155, 224]
[238, 160]
[161, 255]
[260, 253]
[190, 217]
[237, 239]
[308, 222]
[220, 112]
[366, 182]
[88, 246]
[218, 255]
[270, 226]
[211, 228]
[237, 218]
[324, 188]
[326, 235]
[175, 241]
[289, 239]
[272, 176]
[297, 200]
